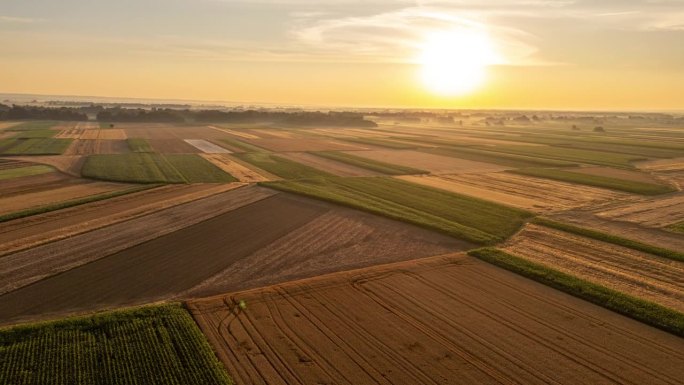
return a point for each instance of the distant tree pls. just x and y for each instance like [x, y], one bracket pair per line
[599, 129]
[111, 125]
[574, 127]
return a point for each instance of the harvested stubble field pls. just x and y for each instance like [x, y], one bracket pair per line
[328, 165]
[154, 168]
[244, 172]
[46, 189]
[104, 134]
[655, 212]
[435, 164]
[152, 345]
[241, 248]
[282, 167]
[467, 218]
[534, 194]
[24, 233]
[207, 147]
[641, 275]
[440, 320]
[674, 164]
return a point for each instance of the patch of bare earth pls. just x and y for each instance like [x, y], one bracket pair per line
[442, 320]
[328, 165]
[24, 233]
[436, 164]
[529, 193]
[238, 169]
[28, 266]
[629, 271]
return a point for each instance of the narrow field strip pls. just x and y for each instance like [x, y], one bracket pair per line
[34, 146]
[572, 155]
[370, 164]
[461, 216]
[648, 312]
[207, 147]
[139, 145]
[597, 181]
[18, 172]
[148, 345]
[282, 167]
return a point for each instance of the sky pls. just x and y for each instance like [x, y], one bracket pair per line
[545, 54]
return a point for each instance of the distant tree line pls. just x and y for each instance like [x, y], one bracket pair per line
[40, 113]
[300, 118]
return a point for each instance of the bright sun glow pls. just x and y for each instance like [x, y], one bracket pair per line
[455, 62]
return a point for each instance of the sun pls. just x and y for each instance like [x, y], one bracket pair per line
[455, 62]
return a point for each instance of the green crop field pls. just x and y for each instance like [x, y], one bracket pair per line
[464, 217]
[284, 168]
[571, 155]
[27, 134]
[503, 159]
[24, 171]
[597, 181]
[645, 311]
[153, 168]
[34, 146]
[677, 227]
[34, 125]
[151, 345]
[242, 146]
[139, 145]
[383, 143]
[369, 164]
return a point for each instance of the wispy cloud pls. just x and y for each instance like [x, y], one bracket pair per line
[20, 20]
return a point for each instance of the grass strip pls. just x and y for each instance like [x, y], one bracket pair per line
[282, 167]
[243, 146]
[568, 154]
[596, 181]
[677, 227]
[463, 217]
[139, 145]
[614, 239]
[503, 159]
[18, 172]
[639, 309]
[146, 345]
[70, 203]
[369, 164]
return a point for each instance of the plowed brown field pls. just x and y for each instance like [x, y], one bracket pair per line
[436, 164]
[639, 274]
[445, 320]
[534, 194]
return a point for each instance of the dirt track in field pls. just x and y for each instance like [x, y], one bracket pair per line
[635, 273]
[529, 193]
[35, 230]
[652, 212]
[328, 165]
[444, 320]
[239, 169]
[436, 164]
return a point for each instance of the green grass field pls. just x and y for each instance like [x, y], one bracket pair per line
[644, 311]
[27, 134]
[153, 168]
[35, 146]
[614, 239]
[382, 143]
[597, 181]
[151, 345]
[460, 216]
[369, 164]
[571, 155]
[510, 160]
[139, 145]
[33, 125]
[24, 171]
[677, 227]
[284, 168]
[239, 145]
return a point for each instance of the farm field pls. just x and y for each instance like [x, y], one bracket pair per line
[348, 246]
[642, 275]
[439, 320]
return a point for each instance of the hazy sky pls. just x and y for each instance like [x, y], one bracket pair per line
[583, 54]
